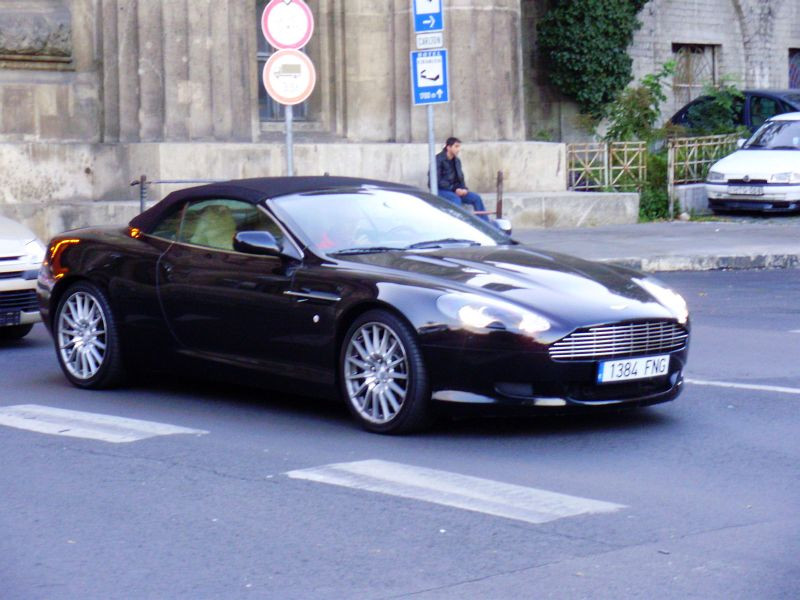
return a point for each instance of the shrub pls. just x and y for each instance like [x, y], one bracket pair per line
[584, 44]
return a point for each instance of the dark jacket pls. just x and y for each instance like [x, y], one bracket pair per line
[449, 173]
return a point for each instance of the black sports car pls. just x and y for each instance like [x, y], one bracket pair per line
[376, 292]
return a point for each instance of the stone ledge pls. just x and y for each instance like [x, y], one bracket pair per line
[47, 220]
[567, 209]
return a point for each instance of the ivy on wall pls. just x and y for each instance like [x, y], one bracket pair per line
[584, 44]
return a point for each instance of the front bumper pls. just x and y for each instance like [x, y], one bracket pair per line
[771, 197]
[535, 381]
[18, 304]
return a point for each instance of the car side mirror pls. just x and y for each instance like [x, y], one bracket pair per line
[740, 142]
[262, 243]
[503, 225]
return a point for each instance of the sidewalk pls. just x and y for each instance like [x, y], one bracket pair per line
[742, 243]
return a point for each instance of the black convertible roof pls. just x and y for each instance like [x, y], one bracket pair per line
[254, 191]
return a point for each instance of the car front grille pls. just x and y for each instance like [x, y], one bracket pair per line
[11, 275]
[21, 300]
[630, 339]
[746, 181]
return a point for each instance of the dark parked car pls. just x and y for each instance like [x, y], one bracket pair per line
[752, 112]
[378, 293]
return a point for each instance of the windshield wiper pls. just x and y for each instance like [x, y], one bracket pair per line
[441, 243]
[783, 147]
[368, 250]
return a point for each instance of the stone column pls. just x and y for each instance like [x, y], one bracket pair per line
[151, 71]
[485, 67]
[128, 67]
[177, 93]
[368, 70]
[108, 13]
[200, 122]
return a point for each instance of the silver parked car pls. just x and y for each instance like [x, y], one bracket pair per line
[21, 254]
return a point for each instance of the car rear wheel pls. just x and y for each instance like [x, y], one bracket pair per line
[87, 343]
[383, 376]
[15, 332]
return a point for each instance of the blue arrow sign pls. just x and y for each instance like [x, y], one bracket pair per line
[428, 15]
[429, 81]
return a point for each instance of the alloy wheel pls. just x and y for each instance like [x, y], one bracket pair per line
[82, 335]
[376, 372]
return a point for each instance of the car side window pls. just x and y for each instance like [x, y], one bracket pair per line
[762, 108]
[213, 223]
[169, 227]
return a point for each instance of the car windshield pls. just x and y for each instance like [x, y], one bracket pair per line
[776, 135]
[378, 220]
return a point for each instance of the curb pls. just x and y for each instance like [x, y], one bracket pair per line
[708, 263]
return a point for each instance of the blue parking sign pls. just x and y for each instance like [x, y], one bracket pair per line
[429, 81]
[428, 15]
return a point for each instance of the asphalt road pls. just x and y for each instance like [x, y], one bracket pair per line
[708, 486]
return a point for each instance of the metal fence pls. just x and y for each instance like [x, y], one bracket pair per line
[600, 166]
[689, 159]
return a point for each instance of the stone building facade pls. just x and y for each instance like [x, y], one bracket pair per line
[178, 70]
[94, 93]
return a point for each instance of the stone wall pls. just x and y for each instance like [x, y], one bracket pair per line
[54, 186]
[753, 38]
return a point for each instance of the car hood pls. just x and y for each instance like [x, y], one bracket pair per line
[758, 164]
[13, 237]
[563, 288]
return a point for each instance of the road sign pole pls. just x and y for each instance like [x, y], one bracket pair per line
[432, 174]
[289, 110]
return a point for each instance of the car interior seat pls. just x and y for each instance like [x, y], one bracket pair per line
[215, 228]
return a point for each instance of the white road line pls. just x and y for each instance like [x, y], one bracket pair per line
[747, 386]
[92, 426]
[451, 489]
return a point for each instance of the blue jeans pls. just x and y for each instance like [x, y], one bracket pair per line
[471, 198]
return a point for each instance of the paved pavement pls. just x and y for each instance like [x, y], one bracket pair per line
[218, 491]
[733, 243]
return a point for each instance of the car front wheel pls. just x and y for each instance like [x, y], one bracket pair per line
[87, 343]
[383, 376]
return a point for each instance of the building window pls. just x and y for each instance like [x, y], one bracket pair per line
[695, 67]
[794, 68]
[268, 109]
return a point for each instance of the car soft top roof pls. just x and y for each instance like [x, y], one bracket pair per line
[254, 191]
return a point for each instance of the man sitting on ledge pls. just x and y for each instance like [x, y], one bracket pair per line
[452, 186]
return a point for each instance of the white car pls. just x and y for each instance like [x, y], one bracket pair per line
[21, 254]
[764, 174]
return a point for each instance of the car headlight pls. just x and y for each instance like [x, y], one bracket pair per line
[480, 313]
[715, 176]
[791, 177]
[34, 251]
[666, 297]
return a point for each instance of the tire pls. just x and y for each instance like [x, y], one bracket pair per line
[15, 332]
[382, 375]
[87, 339]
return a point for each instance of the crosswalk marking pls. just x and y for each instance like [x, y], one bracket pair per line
[92, 426]
[452, 489]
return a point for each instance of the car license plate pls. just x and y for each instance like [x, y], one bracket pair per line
[746, 190]
[610, 371]
[9, 318]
